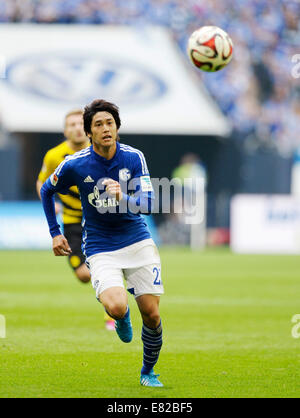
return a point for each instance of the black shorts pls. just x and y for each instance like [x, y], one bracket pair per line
[73, 233]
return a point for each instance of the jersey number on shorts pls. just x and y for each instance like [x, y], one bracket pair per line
[156, 271]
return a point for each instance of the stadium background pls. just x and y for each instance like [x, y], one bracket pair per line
[258, 153]
[256, 93]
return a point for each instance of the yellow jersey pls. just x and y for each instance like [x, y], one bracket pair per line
[72, 211]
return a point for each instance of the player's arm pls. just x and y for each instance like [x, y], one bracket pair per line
[60, 181]
[45, 172]
[57, 205]
[143, 199]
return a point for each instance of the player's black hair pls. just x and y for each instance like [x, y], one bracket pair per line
[99, 106]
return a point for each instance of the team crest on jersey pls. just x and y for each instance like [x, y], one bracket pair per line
[124, 174]
[54, 179]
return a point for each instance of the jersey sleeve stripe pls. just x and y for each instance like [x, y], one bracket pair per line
[127, 148]
[80, 154]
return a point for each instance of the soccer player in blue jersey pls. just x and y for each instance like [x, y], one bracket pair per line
[115, 188]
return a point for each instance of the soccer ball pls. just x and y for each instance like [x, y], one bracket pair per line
[210, 48]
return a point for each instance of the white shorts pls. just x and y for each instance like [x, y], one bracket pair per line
[138, 263]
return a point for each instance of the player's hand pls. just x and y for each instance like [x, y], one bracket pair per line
[113, 188]
[61, 246]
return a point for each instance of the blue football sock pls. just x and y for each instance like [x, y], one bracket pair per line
[152, 340]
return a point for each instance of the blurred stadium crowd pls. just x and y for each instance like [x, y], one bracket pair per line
[258, 94]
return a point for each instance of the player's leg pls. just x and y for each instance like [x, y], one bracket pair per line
[146, 285]
[82, 273]
[73, 233]
[149, 309]
[115, 302]
[107, 281]
[151, 337]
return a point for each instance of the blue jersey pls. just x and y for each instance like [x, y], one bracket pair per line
[108, 225]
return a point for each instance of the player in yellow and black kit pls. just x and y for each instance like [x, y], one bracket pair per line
[76, 140]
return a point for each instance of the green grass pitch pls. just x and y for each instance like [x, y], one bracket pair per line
[226, 318]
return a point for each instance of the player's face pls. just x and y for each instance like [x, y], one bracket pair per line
[74, 130]
[103, 129]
